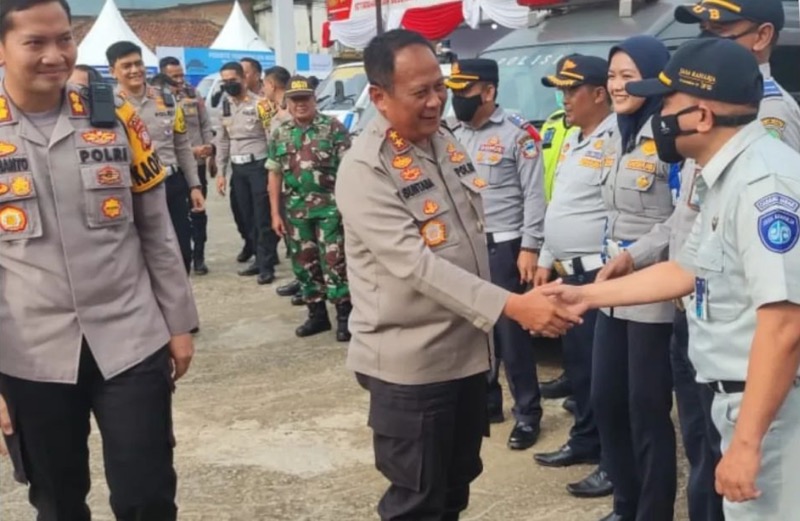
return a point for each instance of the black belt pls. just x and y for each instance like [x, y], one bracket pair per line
[726, 387]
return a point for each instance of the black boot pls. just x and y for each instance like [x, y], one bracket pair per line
[289, 289]
[298, 300]
[318, 320]
[198, 259]
[343, 310]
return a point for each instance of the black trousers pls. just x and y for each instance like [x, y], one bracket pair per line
[701, 440]
[199, 220]
[632, 401]
[427, 441]
[178, 205]
[238, 216]
[50, 450]
[250, 183]
[577, 346]
[512, 344]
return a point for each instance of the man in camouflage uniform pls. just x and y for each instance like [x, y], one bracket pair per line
[304, 155]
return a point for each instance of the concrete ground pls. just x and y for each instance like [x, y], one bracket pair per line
[273, 428]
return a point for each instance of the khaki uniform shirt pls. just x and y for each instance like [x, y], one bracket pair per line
[198, 123]
[167, 126]
[88, 249]
[245, 130]
[417, 261]
[743, 248]
[635, 188]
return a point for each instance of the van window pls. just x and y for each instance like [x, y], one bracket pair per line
[354, 80]
[783, 63]
[205, 85]
[521, 72]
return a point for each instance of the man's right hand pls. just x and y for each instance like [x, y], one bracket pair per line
[5, 425]
[571, 297]
[278, 226]
[537, 313]
[221, 185]
[541, 276]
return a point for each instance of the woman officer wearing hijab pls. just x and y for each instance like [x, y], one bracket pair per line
[632, 379]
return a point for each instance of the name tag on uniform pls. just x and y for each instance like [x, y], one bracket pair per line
[701, 298]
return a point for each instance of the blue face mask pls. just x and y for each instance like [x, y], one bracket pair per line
[560, 98]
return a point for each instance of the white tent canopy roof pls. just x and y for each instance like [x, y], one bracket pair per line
[110, 27]
[238, 34]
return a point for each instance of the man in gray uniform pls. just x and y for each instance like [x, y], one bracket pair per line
[738, 271]
[755, 25]
[242, 140]
[508, 158]
[574, 227]
[201, 139]
[417, 264]
[165, 120]
[95, 309]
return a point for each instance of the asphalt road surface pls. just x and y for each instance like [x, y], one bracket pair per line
[271, 427]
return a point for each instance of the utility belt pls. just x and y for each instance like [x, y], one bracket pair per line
[615, 248]
[499, 237]
[244, 159]
[578, 265]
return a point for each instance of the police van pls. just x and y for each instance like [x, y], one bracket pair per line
[524, 56]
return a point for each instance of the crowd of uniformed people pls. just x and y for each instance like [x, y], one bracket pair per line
[651, 224]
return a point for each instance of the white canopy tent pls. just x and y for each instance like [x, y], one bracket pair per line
[110, 27]
[238, 34]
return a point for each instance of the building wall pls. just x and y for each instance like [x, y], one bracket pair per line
[308, 19]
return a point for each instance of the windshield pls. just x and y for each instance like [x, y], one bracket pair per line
[521, 72]
[370, 111]
[354, 80]
[204, 86]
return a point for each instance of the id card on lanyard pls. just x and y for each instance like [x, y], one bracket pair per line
[700, 298]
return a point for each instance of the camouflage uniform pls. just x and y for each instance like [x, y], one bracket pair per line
[308, 159]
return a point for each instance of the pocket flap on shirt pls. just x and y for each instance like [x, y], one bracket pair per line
[100, 177]
[709, 255]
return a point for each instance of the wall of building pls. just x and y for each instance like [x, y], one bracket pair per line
[308, 19]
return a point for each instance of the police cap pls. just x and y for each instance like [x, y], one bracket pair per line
[708, 68]
[576, 70]
[727, 11]
[466, 72]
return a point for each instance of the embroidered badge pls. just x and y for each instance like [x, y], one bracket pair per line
[457, 157]
[7, 148]
[401, 162]
[643, 181]
[493, 145]
[109, 176]
[411, 174]
[641, 166]
[76, 104]
[649, 147]
[99, 137]
[434, 233]
[776, 199]
[774, 126]
[778, 230]
[13, 219]
[590, 162]
[430, 207]
[529, 149]
[4, 189]
[398, 143]
[479, 182]
[112, 208]
[5, 112]
[598, 145]
[21, 186]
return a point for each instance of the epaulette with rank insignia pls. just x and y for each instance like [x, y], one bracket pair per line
[771, 89]
[517, 120]
[398, 143]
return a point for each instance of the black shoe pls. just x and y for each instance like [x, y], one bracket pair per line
[570, 405]
[317, 322]
[523, 436]
[343, 310]
[288, 290]
[200, 267]
[298, 300]
[266, 278]
[613, 517]
[595, 484]
[558, 388]
[195, 330]
[564, 457]
[496, 415]
[245, 254]
[250, 271]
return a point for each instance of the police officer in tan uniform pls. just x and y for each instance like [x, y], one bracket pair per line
[243, 140]
[95, 308]
[201, 139]
[167, 125]
[418, 269]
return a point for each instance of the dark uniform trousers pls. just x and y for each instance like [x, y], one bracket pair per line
[199, 220]
[238, 217]
[250, 182]
[178, 205]
[632, 399]
[701, 440]
[513, 345]
[427, 442]
[49, 447]
[577, 345]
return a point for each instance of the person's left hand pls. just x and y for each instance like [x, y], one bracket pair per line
[737, 472]
[619, 266]
[526, 264]
[181, 351]
[198, 201]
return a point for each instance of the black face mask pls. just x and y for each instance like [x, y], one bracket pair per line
[234, 89]
[465, 108]
[705, 33]
[666, 130]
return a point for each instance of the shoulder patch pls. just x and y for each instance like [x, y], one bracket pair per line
[778, 230]
[771, 89]
[774, 126]
[398, 143]
[776, 199]
[6, 115]
[518, 120]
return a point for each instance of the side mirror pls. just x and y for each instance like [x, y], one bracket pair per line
[338, 95]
